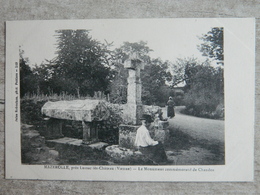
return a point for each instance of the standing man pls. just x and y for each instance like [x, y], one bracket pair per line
[152, 149]
[170, 109]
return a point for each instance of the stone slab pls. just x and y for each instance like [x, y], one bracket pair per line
[98, 145]
[66, 140]
[121, 154]
[78, 110]
[77, 142]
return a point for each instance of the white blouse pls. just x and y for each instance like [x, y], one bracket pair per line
[143, 137]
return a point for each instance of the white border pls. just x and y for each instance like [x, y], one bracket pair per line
[239, 48]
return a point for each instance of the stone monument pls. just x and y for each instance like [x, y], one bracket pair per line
[134, 108]
[134, 89]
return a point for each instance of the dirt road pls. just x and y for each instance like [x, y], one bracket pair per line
[198, 128]
[197, 141]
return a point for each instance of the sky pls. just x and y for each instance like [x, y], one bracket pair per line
[168, 38]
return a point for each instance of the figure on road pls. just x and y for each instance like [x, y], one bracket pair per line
[170, 109]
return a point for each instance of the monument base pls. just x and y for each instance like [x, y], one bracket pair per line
[127, 134]
[127, 156]
[161, 135]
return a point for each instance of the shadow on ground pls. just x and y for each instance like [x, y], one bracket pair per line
[181, 149]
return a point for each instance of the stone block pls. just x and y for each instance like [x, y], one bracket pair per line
[120, 154]
[54, 154]
[98, 145]
[161, 135]
[32, 139]
[163, 125]
[78, 110]
[127, 134]
[52, 128]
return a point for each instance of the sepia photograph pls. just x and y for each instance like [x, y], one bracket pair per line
[122, 95]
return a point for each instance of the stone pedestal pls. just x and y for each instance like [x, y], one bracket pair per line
[132, 113]
[127, 134]
[125, 155]
[163, 125]
[161, 135]
[90, 133]
[53, 128]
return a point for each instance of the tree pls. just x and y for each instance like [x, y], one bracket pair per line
[212, 45]
[204, 86]
[154, 76]
[139, 47]
[184, 70]
[118, 88]
[27, 78]
[82, 64]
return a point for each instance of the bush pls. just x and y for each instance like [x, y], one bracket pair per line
[109, 129]
[31, 111]
[204, 92]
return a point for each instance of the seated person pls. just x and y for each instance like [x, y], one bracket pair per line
[152, 149]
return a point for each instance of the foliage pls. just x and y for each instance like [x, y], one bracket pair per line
[109, 129]
[212, 45]
[137, 47]
[31, 111]
[153, 77]
[80, 68]
[204, 87]
[27, 78]
[118, 88]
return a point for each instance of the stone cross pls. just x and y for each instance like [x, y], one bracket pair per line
[134, 89]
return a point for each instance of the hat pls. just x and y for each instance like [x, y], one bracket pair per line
[146, 117]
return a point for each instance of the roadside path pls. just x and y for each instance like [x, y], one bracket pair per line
[198, 128]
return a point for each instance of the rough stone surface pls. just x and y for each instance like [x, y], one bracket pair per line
[66, 140]
[127, 134]
[78, 110]
[161, 135]
[76, 142]
[121, 154]
[31, 139]
[54, 154]
[50, 9]
[98, 145]
[161, 125]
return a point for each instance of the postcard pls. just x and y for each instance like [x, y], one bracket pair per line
[160, 100]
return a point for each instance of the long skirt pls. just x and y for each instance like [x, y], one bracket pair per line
[155, 153]
[170, 112]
